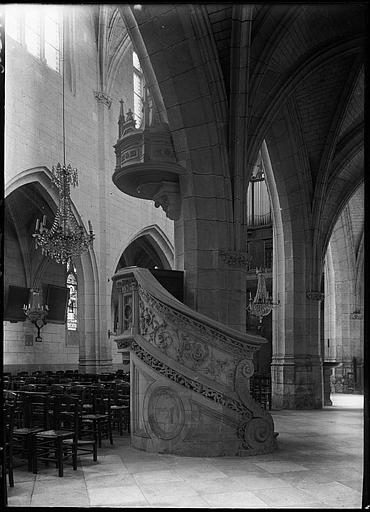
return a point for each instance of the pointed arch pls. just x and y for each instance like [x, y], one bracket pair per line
[155, 241]
[87, 269]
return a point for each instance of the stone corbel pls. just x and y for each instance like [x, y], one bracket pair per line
[315, 295]
[165, 195]
[103, 98]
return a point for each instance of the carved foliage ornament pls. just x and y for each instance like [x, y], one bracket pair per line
[185, 347]
[127, 285]
[103, 98]
[187, 382]
[124, 344]
[186, 323]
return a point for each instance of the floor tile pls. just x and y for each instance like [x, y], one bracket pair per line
[252, 482]
[125, 496]
[157, 476]
[285, 496]
[141, 467]
[331, 491]
[178, 502]
[164, 489]
[234, 500]
[118, 480]
[318, 464]
[279, 467]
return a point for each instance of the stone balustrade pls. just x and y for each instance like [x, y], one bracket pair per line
[190, 375]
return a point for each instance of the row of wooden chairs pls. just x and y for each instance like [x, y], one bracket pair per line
[260, 386]
[57, 425]
[53, 431]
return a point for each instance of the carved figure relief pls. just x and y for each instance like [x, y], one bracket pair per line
[127, 312]
[166, 414]
[167, 341]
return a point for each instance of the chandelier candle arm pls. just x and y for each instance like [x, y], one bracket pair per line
[35, 311]
[66, 239]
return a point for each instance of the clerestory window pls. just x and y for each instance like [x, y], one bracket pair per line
[39, 29]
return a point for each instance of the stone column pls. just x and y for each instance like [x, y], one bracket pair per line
[103, 351]
[215, 271]
[296, 369]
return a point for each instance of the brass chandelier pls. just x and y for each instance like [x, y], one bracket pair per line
[66, 239]
[262, 304]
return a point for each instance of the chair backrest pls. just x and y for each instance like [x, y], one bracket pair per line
[66, 413]
[56, 389]
[28, 387]
[8, 421]
[123, 389]
[35, 410]
[102, 400]
[10, 397]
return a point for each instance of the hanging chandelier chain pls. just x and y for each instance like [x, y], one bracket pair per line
[66, 239]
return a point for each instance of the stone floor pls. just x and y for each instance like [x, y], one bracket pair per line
[318, 465]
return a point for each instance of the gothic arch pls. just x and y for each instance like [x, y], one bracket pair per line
[154, 242]
[278, 271]
[86, 266]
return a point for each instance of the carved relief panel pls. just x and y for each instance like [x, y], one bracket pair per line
[185, 346]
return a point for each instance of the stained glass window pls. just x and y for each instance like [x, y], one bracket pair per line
[72, 299]
[138, 81]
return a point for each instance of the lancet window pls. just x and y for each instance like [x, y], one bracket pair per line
[39, 29]
[138, 79]
[72, 299]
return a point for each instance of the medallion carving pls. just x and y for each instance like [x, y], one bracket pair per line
[166, 414]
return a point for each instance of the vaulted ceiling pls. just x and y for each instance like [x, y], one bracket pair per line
[262, 64]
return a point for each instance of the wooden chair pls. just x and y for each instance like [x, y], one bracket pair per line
[121, 409]
[31, 417]
[4, 491]
[8, 419]
[100, 417]
[66, 440]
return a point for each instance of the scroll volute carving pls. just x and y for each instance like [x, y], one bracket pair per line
[243, 374]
